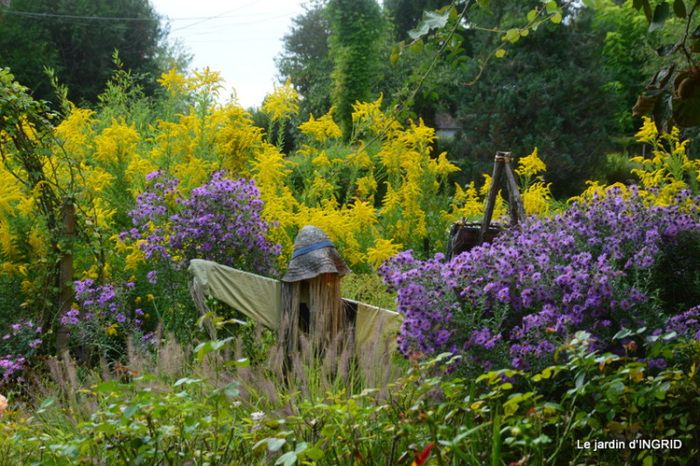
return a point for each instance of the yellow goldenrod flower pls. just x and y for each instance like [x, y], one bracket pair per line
[282, 102]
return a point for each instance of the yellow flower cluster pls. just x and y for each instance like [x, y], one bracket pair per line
[383, 192]
[664, 174]
[282, 102]
[321, 130]
[536, 194]
[669, 170]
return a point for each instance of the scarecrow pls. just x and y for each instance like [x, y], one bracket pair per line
[307, 299]
[311, 300]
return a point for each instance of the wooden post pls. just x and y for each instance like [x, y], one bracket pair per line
[65, 274]
[517, 210]
[493, 191]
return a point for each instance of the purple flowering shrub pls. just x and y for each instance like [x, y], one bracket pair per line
[103, 313]
[514, 301]
[22, 340]
[219, 221]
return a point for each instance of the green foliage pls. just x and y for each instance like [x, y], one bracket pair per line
[548, 92]
[39, 34]
[673, 93]
[306, 61]
[500, 417]
[368, 288]
[355, 41]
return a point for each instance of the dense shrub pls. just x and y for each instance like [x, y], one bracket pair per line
[219, 221]
[511, 303]
[501, 417]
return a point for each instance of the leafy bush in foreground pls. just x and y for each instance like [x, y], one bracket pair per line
[505, 416]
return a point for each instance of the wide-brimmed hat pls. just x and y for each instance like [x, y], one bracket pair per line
[313, 255]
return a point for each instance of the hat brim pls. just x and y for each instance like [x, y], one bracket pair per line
[314, 263]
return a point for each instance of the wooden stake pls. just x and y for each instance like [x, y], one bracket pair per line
[65, 272]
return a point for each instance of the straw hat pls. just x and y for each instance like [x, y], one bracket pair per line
[313, 255]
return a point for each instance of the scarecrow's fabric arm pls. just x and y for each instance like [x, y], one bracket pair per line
[255, 296]
[259, 298]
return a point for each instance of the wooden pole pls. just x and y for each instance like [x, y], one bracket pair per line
[65, 273]
[493, 191]
[517, 210]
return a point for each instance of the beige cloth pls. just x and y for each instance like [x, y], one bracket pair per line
[375, 328]
[256, 296]
[260, 298]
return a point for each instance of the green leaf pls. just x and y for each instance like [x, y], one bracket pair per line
[394, 57]
[314, 453]
[679, 9]
[130, 411]
[624, 333]
[661, 13]
[288, 459]
[231, 390]
[556, 18]
[431, 20]
[186, 381]
[512, 35]
[614, 391]
[274, 444]
[208, 346]
[47, 403]
[647, 10]
[500, 53]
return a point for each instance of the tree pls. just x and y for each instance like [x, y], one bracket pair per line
[305, 60]
[70, 37]
[357, 29]
[547, 92]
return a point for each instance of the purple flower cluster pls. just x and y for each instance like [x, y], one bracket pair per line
[533, 287]
[686, 324]
[220, 221]
[425, 300]
[20, 343]
[101, 307]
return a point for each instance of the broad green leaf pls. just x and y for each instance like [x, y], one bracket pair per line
[314, 453]
[500, 53]
[288, 459]
[431, 20]
[130, 411]
[512, 35]
[679, 9]
[556, 18]
[274, 444]
[661, 13]
[647, 10]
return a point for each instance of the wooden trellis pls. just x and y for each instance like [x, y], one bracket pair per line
[464, 236]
